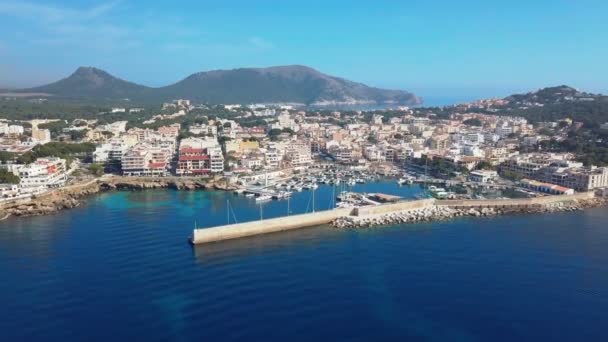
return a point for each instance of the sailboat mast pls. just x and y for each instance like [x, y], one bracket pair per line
[313, 199]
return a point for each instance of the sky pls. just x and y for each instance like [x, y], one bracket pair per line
[437, 49]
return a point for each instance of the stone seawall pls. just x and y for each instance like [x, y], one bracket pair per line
[447, 209]
[523, 202]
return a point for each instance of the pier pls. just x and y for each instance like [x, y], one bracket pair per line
[240, 230]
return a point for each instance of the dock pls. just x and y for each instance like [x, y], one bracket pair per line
[239, 230]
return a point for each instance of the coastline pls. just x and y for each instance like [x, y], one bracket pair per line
[72, 196]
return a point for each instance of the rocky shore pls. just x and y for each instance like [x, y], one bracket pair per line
[443, 212]
[73, 195]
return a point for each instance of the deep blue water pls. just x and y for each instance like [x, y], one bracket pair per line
[120, 268]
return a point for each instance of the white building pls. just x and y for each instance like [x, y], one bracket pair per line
[43, 173]
[11, 129]
[483, 176]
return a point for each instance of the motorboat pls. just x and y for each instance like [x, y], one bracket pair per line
[263, 198]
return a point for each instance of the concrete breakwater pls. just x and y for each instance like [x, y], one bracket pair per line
[401, 212]
[239, 230]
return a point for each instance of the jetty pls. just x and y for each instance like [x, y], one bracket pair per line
[399, 212]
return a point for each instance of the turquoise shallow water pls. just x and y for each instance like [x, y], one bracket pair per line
[119, 268]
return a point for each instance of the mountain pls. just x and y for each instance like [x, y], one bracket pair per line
[88, 82]
[281, 84]
[554, 95]
[556, 103]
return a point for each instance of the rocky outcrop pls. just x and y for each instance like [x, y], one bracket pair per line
[50, 202]
[155, 184]
[145, 183]
[72, 196]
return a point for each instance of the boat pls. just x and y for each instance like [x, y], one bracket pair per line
[405, 181]
[360, 181]
[263, 198]
[249, 194]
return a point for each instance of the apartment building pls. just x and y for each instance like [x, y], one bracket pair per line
[43, 173]
[199, 156]
[558, 170]
[146, 160]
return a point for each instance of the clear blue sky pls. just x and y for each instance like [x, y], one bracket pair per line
[435, 48]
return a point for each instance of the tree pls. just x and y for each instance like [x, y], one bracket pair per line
[274, 133]
[472, 122]
[26, 158]
[107, 134]
[76, 135]
[485, 165]
[510, 175]
[398, 136]
[7, 177]
[96, 169]
[372, 139]
[223, 139]
[6, 156]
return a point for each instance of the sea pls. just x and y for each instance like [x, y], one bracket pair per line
[120, 268]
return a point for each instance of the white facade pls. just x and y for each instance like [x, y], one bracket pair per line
[43, 173]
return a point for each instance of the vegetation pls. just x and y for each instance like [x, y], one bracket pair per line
[589, 145]
[473, 122]
[96, 169]
[57, 149]
[7, 177]
[510, 175]
[7, 156]
[484, 165]
[78, 134]
[439, 167]
[56, 127]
